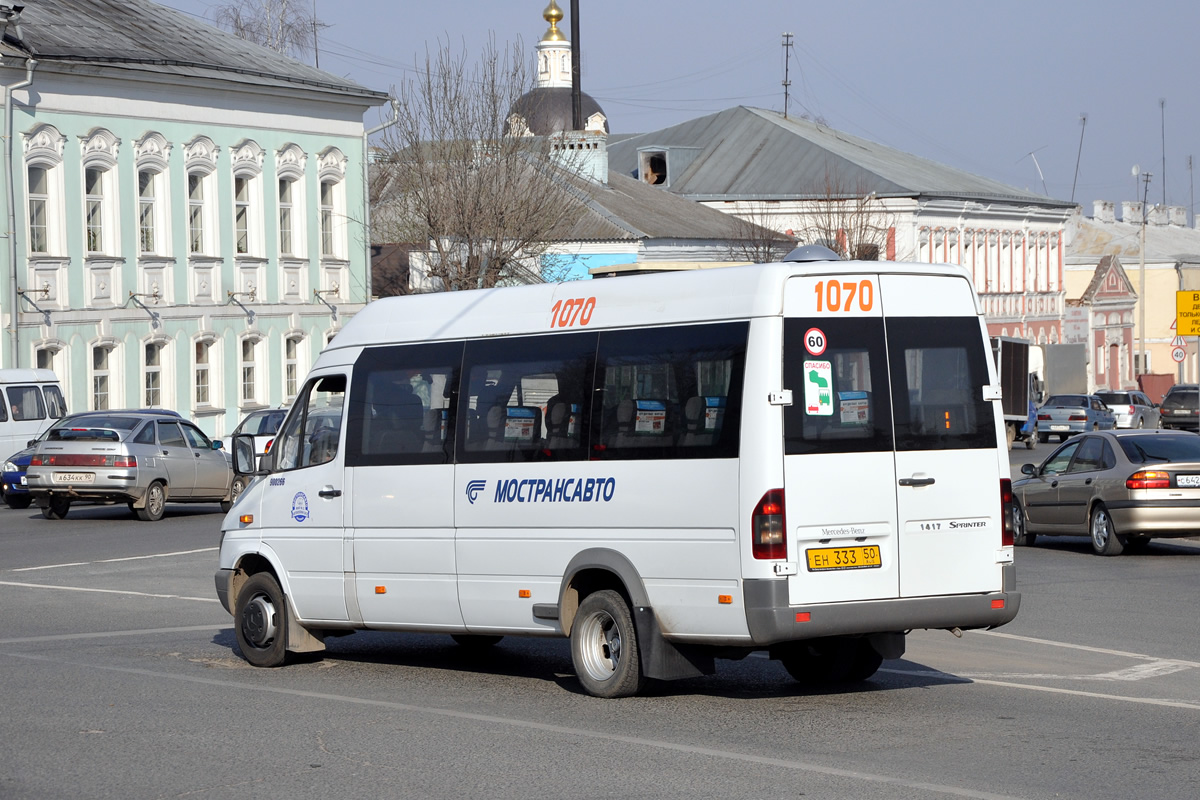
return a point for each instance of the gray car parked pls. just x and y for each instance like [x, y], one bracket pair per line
[1132, 409]
[145, 460]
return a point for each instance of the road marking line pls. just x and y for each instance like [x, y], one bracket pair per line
[557, 730]
[1101, 650]
[64, 637]
[114, 560]
[108, 591]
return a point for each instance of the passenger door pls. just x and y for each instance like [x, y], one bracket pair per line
[1077, 486]
[213, 472]
[303, 502]
[177, 460]
[1040, 495]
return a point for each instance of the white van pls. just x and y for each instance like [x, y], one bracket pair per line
[32, 401]
[798, 458]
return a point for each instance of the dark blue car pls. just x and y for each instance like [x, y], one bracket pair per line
[12, 479]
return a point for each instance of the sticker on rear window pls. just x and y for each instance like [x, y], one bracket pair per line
[818, 397]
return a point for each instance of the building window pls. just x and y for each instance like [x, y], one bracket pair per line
[202, 373]
[39, 202]
[45, 358]
[153, 369]
[147, 211]
[286, 218]
[291, 366]
[248, 371]
[100, 378]
[93, 189]
[326, 211]
[241, 213]
[195, 213]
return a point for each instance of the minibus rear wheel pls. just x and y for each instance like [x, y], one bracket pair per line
[260, 621]
[604, 646]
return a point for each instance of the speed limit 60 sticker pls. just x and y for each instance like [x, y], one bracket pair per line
[814, 341]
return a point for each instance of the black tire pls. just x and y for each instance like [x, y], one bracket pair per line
[57, 508]
[604, 646]
[1043, 437]
[260, 621]
[1105, 539]
[824, 661]
[156, 503]
[1137, 544]
[475, 643]
[235, 490]
[1021, 536]
[17, 501]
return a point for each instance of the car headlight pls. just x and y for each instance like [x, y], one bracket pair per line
[11, 467]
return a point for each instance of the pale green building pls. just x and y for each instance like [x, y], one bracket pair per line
[187, 210]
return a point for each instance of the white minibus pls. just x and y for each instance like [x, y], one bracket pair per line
[801, 458]
[30, 401]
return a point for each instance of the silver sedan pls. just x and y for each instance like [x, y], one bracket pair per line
[1120, 488]
[141, 459]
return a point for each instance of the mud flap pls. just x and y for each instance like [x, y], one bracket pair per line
[663, 660]
[299, 638]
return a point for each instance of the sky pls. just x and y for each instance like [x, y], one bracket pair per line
[996, 89]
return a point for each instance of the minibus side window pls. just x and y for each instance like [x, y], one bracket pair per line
[670, 392]
[840, 401]
[525, 398]
[939, 369]
[55, 402]
[25, 402]
[401, 407]
[312, 431]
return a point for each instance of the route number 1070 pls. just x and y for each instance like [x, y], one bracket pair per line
[568, 313]
[843, 295]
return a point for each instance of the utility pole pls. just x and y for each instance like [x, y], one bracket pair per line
[576, 91]
[1145, 176]
[787, 62]
[1162, 107]
[1082, 129]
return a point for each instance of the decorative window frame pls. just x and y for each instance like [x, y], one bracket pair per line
[331, 169]
[115, 381]
[98, 151]
[247, 162]
[294, 365]
[258, 382]
[212, 341]
[152, 155]
[165, 368]
[43, 147]
[290, 164]
[200, 159]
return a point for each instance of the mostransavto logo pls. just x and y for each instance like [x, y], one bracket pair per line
[473, 490]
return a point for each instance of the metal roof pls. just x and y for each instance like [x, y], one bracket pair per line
[749, 153]
[144, 36]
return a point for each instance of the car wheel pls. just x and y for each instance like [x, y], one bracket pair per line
[825, 661]
[1137, 544]
[1105, 539]
[260, 621]
[156, 503]
[1031, 442]
[1043, 437]
[1021, 536]
[17, 501]
[57, 508]
[235, 490]
[604, 646]
[1141, 422]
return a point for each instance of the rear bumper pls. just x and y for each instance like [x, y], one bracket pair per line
[772, 620]
[1164, 518]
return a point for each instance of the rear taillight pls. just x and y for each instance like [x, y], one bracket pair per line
[768, 527]
[1130, 410]
[125, 461]
[82, 461]
[1006, 512]
[1043, 416]
[1149, 479]
[1078, 418]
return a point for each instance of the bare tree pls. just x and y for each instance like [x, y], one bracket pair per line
[281, 25]
[482, 202]
[754, 238]
[848, 219]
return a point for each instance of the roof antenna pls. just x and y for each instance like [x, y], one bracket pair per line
[1045, 191]
[1083, 127]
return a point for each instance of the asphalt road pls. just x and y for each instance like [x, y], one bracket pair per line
[121, 679]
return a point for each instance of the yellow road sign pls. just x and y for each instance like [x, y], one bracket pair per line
[1187, 313]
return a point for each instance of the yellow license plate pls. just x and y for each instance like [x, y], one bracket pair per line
[830, 558]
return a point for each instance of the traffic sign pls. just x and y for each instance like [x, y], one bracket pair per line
[1178, 342]
[1187, 312]
[1179, 354]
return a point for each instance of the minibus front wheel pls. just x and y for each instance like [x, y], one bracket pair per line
[604, 646]
[260, 621]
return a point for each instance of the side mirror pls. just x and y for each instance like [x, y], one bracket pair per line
[244, 460]
[217, 445]
[1028, 469]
